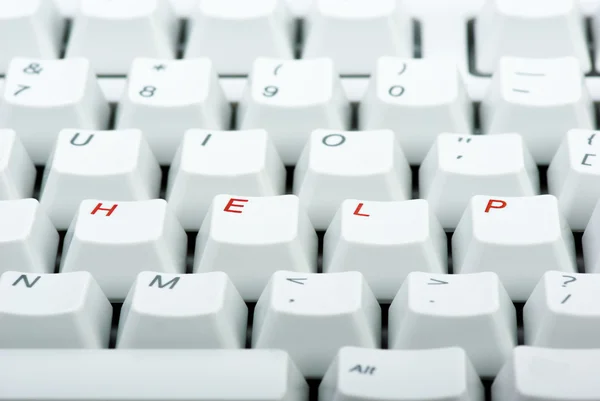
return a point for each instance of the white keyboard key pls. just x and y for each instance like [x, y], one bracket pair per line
[115, 241]
[183, 311]
[539, 29]
[166, 98]
[112, 33]
[355, 33]
[574, 176]
[210, 163]
[117, 165]
[159, 375]
[397, 375]
[335, 166]
[517, 238]
[539, 99]
[42, 97]
[250, 238]
[472, 311]
[591, 243]
[38, 26]
[233, 33]
[53, 311]
[28, 240]
[17, 172]
[564, 311]
[371, 237]
[311, 316]
[290, 99]
[460, 166]
[417, 99]
[541, 374]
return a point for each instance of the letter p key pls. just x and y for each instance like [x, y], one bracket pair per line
[495, 204]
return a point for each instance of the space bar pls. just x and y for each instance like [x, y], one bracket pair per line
[156, 375]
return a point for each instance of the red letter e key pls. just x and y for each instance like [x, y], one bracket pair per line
[231, 204]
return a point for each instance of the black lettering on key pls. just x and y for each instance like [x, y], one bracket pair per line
[270, 91]
[148, 91]
[434, 281]
[569, 279]
[396, 91]
[402, 69]
[584, 162]
[23, 277]
[363, 370]
[158, 280]
[87, 140]
[530, 74]
[33, 69]
[566, 299]
[21, 89]
[205, 141]
[590, 139]
[334, 140]
[299, 280]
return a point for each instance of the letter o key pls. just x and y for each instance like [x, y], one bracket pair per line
[334, 140]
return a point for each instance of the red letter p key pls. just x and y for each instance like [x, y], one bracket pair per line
[495, 204]
[108, 211]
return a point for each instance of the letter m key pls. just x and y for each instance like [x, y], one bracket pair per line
[159, 282]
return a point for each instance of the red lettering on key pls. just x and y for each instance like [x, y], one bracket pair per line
[232, 203]
[99, 208]
[358, 209]
[495, 204]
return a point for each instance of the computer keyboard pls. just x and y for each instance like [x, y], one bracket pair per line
[279, 200]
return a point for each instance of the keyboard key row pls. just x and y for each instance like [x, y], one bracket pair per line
[169, 311]
[519, 238]
[69, 310]
[416, 99]
[231, 32]
[353, 33]
[368, 165]
[357, 373]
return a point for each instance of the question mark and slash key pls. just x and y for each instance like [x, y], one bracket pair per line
[569, 279]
